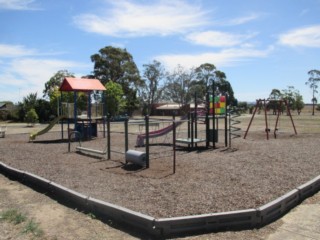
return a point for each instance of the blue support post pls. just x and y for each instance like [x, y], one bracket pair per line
[89, 116]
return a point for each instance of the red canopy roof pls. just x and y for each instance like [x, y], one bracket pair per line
[81, 84]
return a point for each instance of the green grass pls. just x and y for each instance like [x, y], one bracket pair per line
[15, 217]
[33, 228]
[91, 215]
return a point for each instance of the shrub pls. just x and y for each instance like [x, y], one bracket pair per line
[31, 117]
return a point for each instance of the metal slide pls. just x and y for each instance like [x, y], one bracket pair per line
[33, 136]
[157, 133]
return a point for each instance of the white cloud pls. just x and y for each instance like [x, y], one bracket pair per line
[125, 18]
[223, 58]
[24, 71]
[18, 5]
[218, 39]
[302, 37]
[21, 75]
[9, 51]
[243, 20]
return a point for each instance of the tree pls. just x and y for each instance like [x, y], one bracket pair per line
[44, 110]
[224, 87]
[117, 65]
[275, 94]
[177, 86]
[299, 103]
[31, 117]
[51, 90]
[294, 99]
[274, 105]
[313, 84]
[206, 73]
[55, 82]
[114, 98]
[151, 92]
[30, 101]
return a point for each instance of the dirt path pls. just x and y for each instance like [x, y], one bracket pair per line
[56, 221]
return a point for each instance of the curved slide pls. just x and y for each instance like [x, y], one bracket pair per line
[157, 133]
[33, 136]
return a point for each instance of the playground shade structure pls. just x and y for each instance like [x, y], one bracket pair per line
[81, 84]
[45, 130]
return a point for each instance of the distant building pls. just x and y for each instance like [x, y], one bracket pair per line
[168, 109]
[3, 106]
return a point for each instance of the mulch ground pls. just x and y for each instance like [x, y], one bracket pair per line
[253, 172]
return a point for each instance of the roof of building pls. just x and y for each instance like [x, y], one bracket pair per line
[169, 107]
[81, 84]
[2, 104]
[175, 106]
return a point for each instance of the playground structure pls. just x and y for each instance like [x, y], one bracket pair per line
[170, 130]
[216, 110]
[265, 104]
[85, 123]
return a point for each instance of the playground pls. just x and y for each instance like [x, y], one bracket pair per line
[253, 172]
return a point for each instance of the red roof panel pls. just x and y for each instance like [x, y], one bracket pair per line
[81, 84]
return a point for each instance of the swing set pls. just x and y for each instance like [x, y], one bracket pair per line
[264, 103]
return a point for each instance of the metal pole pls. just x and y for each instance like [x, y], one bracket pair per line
[207, 121]
[189, 119]
[89, 115]
[192, 130]
[174, 146]
[226, 125]
[126, 142]
[104, 126]
[108, 136]
[195, 116]
[230, 112]
[75, 107]
[147, 141]
[104, 111]
[213, 117]
[60, 113]
[266, 119]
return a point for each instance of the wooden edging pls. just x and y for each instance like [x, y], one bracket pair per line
[233, 220]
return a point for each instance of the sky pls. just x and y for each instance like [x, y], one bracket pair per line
[260, 45]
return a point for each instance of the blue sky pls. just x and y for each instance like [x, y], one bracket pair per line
[259, 44]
